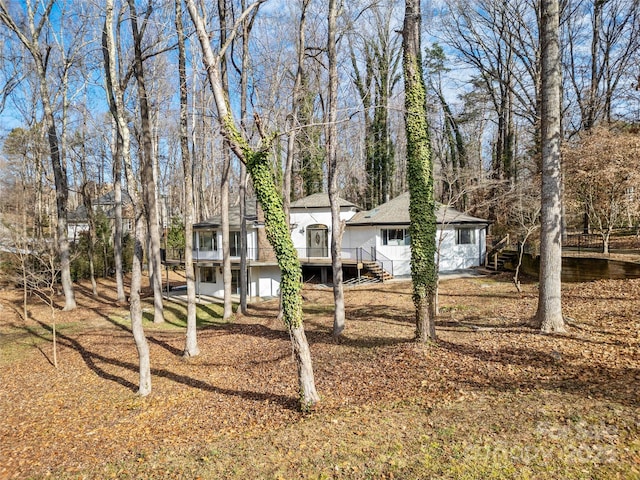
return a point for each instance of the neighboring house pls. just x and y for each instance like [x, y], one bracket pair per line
[78, 222]
[375, 242]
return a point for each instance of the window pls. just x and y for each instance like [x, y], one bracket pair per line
[234, 244]
[208, 274]
[207, 241]
[465, 236]
[396, 236]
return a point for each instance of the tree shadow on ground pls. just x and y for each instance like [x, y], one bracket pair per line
[550, 370]
[91, 358]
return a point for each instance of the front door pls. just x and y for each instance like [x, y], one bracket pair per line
[317, 241]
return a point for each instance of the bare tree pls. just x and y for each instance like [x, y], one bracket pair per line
[247, 26]
[525, 213]
[36, 268]
[549, 315]
[375, 81]
[295, 105]
[337, 224]
[191, 344]
[87, 201]
[225, 176]
[453, 158]
[115, 97]
[602, 170]
[147, 175]
[596, 74]
[30, 36]
[118, 230]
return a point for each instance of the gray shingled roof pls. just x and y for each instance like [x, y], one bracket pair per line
[234, 216]
[396, 212]
[105, 202]
[319, 200]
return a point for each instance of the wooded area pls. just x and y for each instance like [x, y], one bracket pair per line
[125, 123]
[183, 108]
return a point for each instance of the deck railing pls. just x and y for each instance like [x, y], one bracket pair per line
[363, 255]
[359, 254]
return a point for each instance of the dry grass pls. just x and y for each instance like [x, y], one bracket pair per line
[492, 399]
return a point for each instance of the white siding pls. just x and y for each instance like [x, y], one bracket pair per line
[264, 281]
[452, 256]
[302, 218]
[455, 257]
[357, 237]
[400, 255]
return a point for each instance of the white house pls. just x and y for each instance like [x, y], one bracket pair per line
[384, 233]
[263, 273]
[375, 241]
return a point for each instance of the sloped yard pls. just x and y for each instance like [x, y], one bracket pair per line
[493, 399]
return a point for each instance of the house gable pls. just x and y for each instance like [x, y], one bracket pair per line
[310, 224]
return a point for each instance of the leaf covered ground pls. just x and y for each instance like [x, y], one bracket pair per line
[492, 399]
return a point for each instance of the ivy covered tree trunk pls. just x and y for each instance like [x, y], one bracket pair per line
[420, 178]
[276, 227]
[279, 237]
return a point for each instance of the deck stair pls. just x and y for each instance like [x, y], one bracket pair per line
[375, 269]
[501, 256]
[505, 260]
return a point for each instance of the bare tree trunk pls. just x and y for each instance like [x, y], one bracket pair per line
[337, 226]
[39, 208]
[549, 315]
[31, 43]
[244, 280]
[605, 241]
[115, 97]
[91, 241]
[23, 255]
[277, 230]
[142, 346]
[224, 178]
[244, 81]
[62, 196]
[148, 183]
[191, 348]
[117, 236]
[224, 227]
[295, 102]
[87, 202]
